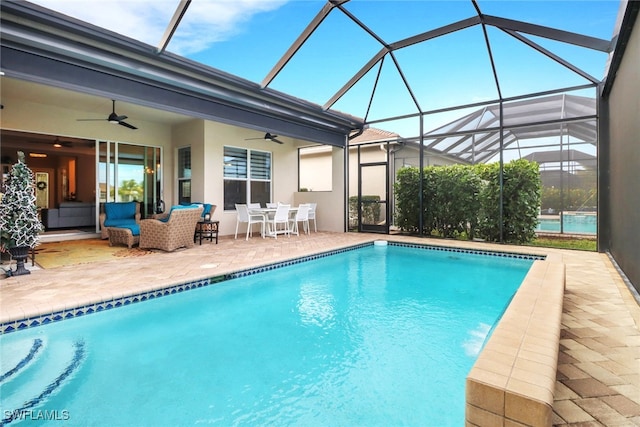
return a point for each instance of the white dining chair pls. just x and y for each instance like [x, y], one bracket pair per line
[270, 206]
[279, 224]
[312, 216]
[301, 215]
[254, 205]
[244, 216]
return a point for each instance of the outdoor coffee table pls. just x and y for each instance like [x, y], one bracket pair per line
[124, 235]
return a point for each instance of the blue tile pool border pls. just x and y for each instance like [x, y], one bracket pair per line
[530, 257]
[70, 313]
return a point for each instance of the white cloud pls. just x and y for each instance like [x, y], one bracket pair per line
[143, 20]
[473, 344]
[206, 21]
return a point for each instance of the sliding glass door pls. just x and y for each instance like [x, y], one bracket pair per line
[128, 172]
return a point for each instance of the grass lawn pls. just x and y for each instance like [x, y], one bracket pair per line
[564, 243]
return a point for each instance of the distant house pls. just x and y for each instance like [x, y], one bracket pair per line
[315, 162]
[369, 153]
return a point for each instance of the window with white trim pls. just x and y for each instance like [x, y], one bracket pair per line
[184, 175]
[247, 176]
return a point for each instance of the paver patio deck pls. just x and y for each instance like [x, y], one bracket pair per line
[598, 375]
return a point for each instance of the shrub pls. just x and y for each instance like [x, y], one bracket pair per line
[370, 209]
[465, 199]
[406, 190]
[572, 199]
[455, 202]
[521, 201]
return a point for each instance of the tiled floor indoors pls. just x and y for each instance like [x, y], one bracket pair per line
[598, 376]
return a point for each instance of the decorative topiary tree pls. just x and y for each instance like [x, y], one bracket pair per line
[19, 224]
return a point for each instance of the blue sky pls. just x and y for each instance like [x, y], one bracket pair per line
[247, 37]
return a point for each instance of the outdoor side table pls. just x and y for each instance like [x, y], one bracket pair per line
[124, 235]
[206, 229]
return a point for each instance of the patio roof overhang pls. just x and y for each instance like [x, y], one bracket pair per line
[53, 49]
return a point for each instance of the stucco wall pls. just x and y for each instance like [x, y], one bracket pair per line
[208, 178]
[624, 133]
[190, 134]
[331, 204]
[315, 169]
[368, 154]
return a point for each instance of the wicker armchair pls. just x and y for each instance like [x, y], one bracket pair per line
[118, 214]
[170, 233]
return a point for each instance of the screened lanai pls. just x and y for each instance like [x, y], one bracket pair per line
[379, 60]
[419, 69]
[523, 127]
[559, 132]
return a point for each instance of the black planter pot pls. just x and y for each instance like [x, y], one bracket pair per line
[20, 254]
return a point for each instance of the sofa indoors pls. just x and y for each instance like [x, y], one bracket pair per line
[70, 215]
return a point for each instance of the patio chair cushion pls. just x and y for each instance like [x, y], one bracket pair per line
[135, 228]
[118, 222]
[165, 218]
[119, 214]
[206, 207]
[120, 210]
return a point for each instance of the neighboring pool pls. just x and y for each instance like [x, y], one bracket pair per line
[378, 336]
[571, 223]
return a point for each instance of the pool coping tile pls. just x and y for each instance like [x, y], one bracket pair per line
[530, 324]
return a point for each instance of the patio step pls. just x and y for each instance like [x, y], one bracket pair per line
[31, 371]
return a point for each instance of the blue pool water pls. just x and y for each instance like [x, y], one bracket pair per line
[377, 336]
[580, 224]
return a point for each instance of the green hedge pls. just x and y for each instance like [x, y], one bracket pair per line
[573, 199]
[370, 211]
[521, 197]
[464, 201]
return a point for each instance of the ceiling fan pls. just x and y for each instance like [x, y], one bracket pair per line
[267, 136]
[113, 118]
[57, 143]
[73, 143]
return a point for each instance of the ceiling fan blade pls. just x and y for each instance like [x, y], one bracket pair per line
[273, 138]
[113, 117]
[125, 124]
[268, 136]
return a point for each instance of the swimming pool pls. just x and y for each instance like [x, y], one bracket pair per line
[571, 223]
[375, 336]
